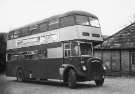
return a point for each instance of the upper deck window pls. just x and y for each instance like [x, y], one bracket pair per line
[16, 34]
[54, 24]
[67, 21]
[82, 20]
[94, 22]
[43, 27]
[25, 31]
[33, 29]
[10, 35]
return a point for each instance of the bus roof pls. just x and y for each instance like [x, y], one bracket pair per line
[57, 17]
[71, 13]
[79, 12]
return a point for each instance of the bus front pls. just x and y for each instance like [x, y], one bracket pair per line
[82, 60]
[84, 64]
[90, 35]
[91, 66]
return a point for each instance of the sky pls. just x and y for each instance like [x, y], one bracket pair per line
[113, 14]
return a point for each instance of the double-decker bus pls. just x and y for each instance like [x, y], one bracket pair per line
[59, 47]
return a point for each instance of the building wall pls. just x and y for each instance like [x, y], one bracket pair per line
[132, 61]
[106, 57]
[116, 60]
[125, 61]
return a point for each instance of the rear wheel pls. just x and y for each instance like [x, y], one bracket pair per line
[99, 82]
[19, 75]
[72, 79]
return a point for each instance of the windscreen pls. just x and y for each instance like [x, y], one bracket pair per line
[86, 49]
[94, 22]
[82, 20]
[88, 21]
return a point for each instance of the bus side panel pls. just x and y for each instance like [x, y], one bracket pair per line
[53, 68]
[11, 68]
[32, 67]
[45, 68]
[54, 61]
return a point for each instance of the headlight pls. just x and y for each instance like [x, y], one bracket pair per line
[104, 67]
[84, 68]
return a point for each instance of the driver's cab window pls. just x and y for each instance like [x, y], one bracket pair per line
[67, 49]
[75, 49]
[86, 49]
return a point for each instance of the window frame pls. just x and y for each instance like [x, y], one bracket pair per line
[11, 35]
[18, 33]
[57, 23]
[96, 19]
[40, 54]
[60, 19]
[68, 50]
[75, 52]
[33, 29]
[92, 52]
[25, 32]
[43, 24]
[81, 24]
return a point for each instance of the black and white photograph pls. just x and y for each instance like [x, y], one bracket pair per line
[67, 46]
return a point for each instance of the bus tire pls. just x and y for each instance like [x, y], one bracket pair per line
[99, 82]
[19, 75]
[71, 79]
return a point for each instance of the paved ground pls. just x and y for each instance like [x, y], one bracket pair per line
[117, 85]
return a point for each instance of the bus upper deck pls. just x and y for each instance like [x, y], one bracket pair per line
[68, 26]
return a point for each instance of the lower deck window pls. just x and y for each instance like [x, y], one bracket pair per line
[35, 55]
[28, 55]
[67, 53]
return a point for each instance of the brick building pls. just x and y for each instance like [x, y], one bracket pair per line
[118, 52]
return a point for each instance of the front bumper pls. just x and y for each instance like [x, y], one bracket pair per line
[90, 76]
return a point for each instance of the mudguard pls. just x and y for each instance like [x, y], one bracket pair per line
[65, 67]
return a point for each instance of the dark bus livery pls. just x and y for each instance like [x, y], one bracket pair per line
[59, 47]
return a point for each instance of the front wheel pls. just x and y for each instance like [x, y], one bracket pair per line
[71, 79]
[19, 75]
[99, 82]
